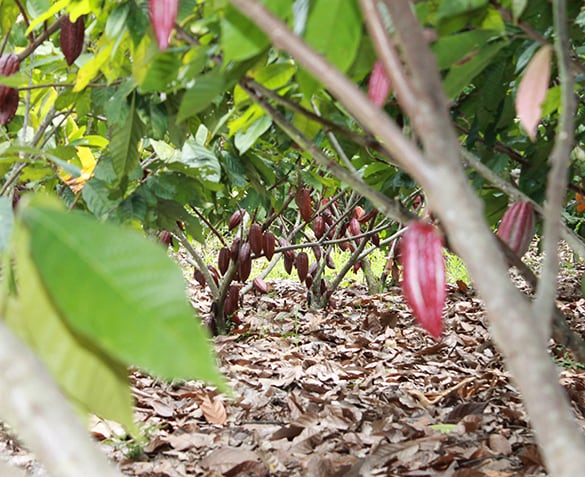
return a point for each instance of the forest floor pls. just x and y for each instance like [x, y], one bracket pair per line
[357, 389]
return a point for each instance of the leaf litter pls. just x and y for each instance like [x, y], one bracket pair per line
[357, 389]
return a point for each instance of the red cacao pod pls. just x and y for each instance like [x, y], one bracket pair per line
[256, 238]
[223, 260]
[235, 249]
[214, 273]
[232, 300]
[317, 252]
[378, 85]
[72, 36]
[354, 227]
[302, 264]
[375, 238]
[423, 283]
[166, 238]
[288, 263]
[163, 14]
[329, 261]
[260, 285]
[517, 227]
[319, 226]
[269, 244]
[198, 276]
[244, 261]
[303, 201]
[235, 219]
[9, 64]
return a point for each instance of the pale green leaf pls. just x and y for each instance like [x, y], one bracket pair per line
[6, 222]
[199, 96]
[124, 142]
[120, 291]
[244, 140]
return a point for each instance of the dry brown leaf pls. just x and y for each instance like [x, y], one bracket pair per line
[213, 411]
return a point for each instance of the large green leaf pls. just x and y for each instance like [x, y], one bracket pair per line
[334, 29]
[90, 379]
[120, 291]
[451, 49]
[199, 96]
[124, 142]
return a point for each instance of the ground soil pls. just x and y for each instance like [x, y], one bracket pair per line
[356, 389]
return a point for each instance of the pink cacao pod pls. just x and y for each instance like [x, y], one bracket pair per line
[517, 227]
[378, 85]
[163, 14]
[423, 282]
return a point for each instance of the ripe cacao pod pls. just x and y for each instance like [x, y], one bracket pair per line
[329, 261]
[232, 300]
[72, 37]
[223, 260]
[288, 263]
[235, 249]
[319, 226]
[9, 64]
[214, 273]
[357, 266]
[358, 212]
[354, 227]
[244, 261]
[517, 227]
[256, 238]
[198, 276]
[235, 219]
[313, 269]
[375, 239]
[163, 14]
[378, 85]
[302, 264]
[309, 281]
[317, 252]
[423, 281]
[260, 285]
[303, 201]
[269, 244]
[166, 238]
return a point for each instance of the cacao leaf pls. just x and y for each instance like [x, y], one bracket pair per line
[423, 283]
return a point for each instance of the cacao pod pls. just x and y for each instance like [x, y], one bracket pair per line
[358, 212]
[223, 260]
[517, 227]
[288, 263]
[303, 201]
[72, 37]
[9, 106]
[9, 64]
[214, 273]
[313, 269]
[319, 226]
[163, 14]
[302, 264]
[232, 300]
[367, 217]
[378, 85]
[235, 219]
[260, 285]
[235, 249]
[256, 238]
[329, 261]
[244, 261]
[198, 276]
[308, 281]
[357, 266]
[166, 238]
[423, 281]
[269, 244]
[354, 227]
[375, 239]
[317, 252]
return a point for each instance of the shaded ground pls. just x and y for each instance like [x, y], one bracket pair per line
[357, 389]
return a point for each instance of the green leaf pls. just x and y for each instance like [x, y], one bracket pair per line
[90, 379]
[334, 29]
[124, 142]
[244, 140]
[452, 8]
[120, 291]
[199, 162]
[198, 97]
[461, 76]
[6, 222]
[454, 48]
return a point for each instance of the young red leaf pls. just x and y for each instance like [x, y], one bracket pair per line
[163, 14]
[423, 283]
[378, 85]
[532, 90]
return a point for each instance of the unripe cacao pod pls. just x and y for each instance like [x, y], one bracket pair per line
[72, 37]
[260, 285]
[163, 14]
[302, 264]
[269, 244]
[517, 227]
[223, 260]
[235, 219]
[319, 226]
[256, 238]
[423, 281]
[244, 261]
[303, 201]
